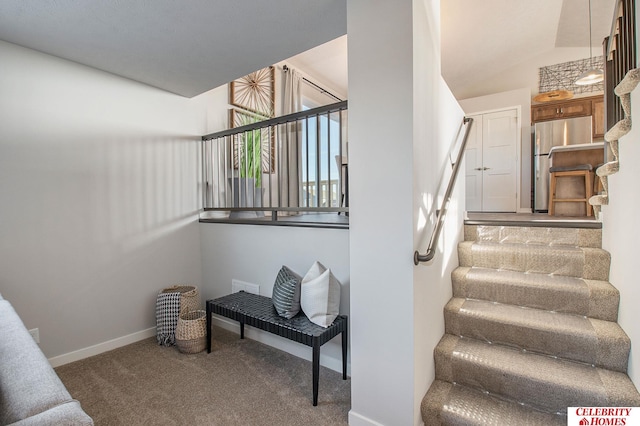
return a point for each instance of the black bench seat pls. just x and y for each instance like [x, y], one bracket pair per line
[258, 311]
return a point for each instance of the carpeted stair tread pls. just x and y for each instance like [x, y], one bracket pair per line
[449, 404]
[573, 337]
[595, 299]
[581, 262]
[531, 329]
[577, 237]
[542, 382]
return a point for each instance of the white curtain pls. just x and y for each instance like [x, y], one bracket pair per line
[289, 141]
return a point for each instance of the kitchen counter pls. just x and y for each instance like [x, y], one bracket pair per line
[571, 155]
[577, 147]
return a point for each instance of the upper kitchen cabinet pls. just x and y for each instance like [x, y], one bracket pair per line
[557, 110]
[582, 107]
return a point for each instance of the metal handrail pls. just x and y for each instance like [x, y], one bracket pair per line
[326, 109]
[433, 243]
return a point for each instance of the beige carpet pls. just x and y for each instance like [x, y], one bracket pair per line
[242, 382]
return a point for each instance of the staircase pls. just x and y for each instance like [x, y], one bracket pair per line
[531, 330]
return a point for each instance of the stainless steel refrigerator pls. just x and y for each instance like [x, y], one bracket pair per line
[570, 131]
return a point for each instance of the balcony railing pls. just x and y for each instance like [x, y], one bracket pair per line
[620, 57]
[287, 169]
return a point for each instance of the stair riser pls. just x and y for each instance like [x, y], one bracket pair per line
[577, 237]
[543, 383]
[571, 337]
[594, 299]
[585, 263]
[545, 396]
[447, 404]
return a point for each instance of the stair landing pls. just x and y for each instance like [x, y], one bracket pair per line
[532, 219]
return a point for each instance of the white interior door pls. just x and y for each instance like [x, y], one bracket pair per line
[473, 166]
[499, 161]
[491, 162]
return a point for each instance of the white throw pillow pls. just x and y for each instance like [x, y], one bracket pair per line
[320, 295]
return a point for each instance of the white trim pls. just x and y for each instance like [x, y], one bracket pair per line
[356, 419]
[301, 351]
[109, 345]
[491, 111]
[296, 349]
[519, 158]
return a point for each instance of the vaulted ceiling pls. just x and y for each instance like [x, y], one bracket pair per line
[191, 46]
[481, 39]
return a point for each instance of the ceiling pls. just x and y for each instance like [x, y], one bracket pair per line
[185, 47]
[191, 46]
[481, 39]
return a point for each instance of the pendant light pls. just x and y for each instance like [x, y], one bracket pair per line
[594, 75]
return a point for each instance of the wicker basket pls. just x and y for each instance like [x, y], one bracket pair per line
[191, 332]
[189, 297]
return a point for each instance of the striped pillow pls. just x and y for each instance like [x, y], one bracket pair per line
[286, 293]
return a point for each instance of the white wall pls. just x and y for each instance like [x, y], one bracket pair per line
[381, 211]
[437, 119]
[392, 301]
[506, 100]
[99, 201]
[255, 254]
[621, 232]
[100, 206]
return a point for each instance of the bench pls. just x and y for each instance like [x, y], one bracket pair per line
[258, 311]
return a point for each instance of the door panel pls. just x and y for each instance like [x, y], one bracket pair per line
[491, 162]
[499, 154]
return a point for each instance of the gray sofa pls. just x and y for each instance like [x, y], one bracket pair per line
[30, 391]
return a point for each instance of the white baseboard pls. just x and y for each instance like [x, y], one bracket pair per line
[356, 419]
[301, 351]
[63, 359]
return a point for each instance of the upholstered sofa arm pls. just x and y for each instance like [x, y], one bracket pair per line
[28, 384]
[68, 413]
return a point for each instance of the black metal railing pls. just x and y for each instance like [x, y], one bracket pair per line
[285, 166]
[620, 57]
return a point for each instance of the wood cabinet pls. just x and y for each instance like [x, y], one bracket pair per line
[597, 118]
[555, 111]
[581, 107]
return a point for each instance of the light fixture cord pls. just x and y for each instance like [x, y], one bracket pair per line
[590, 51]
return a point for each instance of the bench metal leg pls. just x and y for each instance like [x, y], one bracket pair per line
[242, 330]
[208, 328]
[316, 371]
[345, 341]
